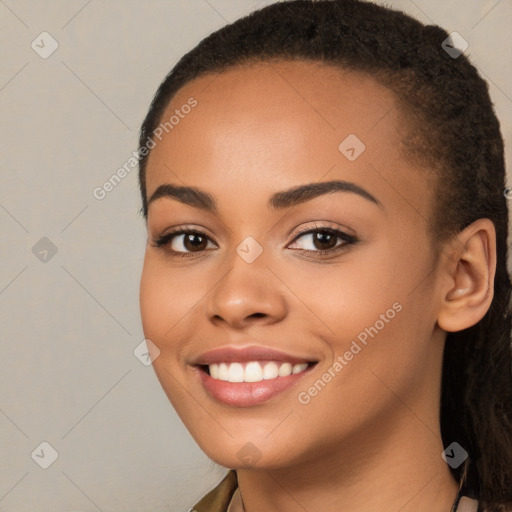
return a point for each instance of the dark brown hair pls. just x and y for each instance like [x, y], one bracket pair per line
[451, 129]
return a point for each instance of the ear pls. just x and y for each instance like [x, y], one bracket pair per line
[468, 270]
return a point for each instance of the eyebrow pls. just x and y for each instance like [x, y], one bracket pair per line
[197, 198]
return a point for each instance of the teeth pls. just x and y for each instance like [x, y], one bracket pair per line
[299, 368]
[236, 372]
[223, 372]
[253, 371]
[214, 371]
[270, 371]
[285, 369]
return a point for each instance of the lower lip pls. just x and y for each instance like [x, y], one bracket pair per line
[247, 394]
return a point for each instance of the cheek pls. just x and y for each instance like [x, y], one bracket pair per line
[164, 304]
[166, 298]
[152, 300]
[350, 296]
[370, 317]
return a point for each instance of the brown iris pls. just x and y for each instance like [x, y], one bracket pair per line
[194, 242]
[323, 240]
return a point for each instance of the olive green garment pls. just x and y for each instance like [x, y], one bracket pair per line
[218, 499]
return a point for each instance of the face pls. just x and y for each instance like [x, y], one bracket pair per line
[287, 320]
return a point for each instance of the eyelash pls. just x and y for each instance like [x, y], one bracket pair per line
[164, 240]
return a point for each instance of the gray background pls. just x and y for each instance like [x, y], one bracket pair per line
[69, 325]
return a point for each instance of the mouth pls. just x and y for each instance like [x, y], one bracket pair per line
[245, 377]
[253, 371]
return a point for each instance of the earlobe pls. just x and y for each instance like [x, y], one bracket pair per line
[468, 273]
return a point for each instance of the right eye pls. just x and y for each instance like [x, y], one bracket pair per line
[183, 242]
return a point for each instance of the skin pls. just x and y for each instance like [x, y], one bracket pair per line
[370, 440]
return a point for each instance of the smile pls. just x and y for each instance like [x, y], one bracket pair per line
[251, 375]
[254, 371]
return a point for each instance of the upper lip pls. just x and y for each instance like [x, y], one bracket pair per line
[246, 354]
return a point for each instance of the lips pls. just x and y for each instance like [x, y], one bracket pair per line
[249, 376]
[247, 354]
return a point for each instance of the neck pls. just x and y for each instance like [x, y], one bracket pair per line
[379, 468]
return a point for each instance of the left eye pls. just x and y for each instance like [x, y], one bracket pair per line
[322, 240]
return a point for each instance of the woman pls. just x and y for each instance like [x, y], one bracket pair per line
[325, 280]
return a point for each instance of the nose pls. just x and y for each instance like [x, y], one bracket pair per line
[248, 294]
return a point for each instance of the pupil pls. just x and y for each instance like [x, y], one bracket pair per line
[324, 240]
[194, 241]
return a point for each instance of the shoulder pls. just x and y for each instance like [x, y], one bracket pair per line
[218, 499]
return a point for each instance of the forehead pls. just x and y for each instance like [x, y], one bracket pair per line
[326, 95]
[297, 118]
